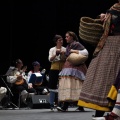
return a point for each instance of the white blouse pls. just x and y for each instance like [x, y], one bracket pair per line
[52, 52]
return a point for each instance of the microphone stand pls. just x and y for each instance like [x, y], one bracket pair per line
[10, 92]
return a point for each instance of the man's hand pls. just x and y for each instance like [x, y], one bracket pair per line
[30, 85]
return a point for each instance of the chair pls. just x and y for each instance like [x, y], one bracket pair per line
[10, 94]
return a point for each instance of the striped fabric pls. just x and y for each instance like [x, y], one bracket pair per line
[101, 74]
[116, 109]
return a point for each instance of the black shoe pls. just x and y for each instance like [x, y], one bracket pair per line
[1, 107]
[23, 105]
[80, 109]
[8, 106]
[60, 109]
[52, 107]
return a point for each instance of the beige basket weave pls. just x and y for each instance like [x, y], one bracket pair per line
[77, 59]
[90, 30]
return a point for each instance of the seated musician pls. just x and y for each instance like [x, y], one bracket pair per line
[37, 81]
[17, 77]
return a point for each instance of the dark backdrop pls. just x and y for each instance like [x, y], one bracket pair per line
[27, 27]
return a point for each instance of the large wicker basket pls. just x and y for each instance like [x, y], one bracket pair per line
[90, 30]
[77, 59]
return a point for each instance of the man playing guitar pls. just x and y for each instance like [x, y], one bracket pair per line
[18, 79]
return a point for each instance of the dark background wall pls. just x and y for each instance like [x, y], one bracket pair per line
[28, 27]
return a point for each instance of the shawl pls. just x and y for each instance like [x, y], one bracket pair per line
[106, 26]
[75, 46]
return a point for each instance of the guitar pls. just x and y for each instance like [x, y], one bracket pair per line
[19, 81]
[20, 73]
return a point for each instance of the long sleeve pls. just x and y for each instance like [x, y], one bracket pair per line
[11, 79]
[84, 52]
[52, 52]
[10, 75]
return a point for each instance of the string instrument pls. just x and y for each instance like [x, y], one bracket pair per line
[21, 81]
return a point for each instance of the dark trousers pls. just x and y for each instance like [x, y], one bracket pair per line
[16, 89]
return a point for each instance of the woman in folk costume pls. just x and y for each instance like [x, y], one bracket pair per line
[71, 76]
[105, 65]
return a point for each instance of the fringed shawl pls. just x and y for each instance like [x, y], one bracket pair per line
[106, 25]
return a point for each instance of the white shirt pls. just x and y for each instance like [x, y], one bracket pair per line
[52, 52]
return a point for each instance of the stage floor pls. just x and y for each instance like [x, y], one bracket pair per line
[45, 114]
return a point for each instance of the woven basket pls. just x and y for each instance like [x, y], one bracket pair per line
[77, 59]
[90, 30]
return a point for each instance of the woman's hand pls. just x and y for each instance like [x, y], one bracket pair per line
[103, 16]
[62, 56]
[62, 52]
